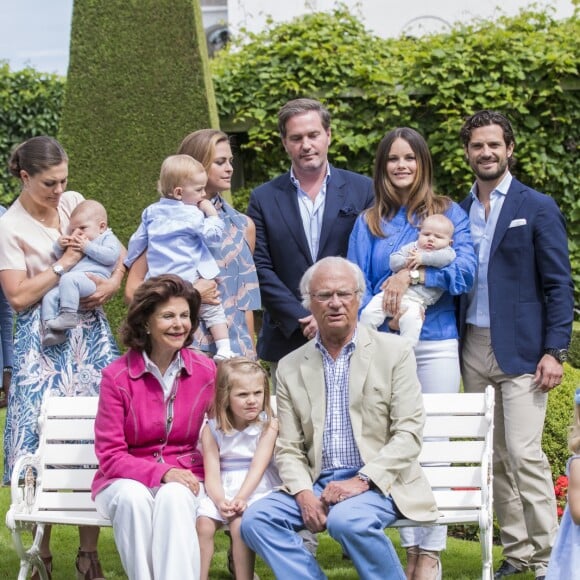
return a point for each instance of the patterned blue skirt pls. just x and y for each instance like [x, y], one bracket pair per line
[69, 369]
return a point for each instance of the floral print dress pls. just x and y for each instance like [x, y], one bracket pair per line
[69, 369]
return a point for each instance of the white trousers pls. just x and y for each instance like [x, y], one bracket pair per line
[154, 529]
[438, 372]
[410, 322]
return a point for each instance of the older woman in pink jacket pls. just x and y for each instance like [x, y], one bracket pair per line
[152, 405]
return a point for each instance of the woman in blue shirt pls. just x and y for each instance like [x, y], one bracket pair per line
[404, 196]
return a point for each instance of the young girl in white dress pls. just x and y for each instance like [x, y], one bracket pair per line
[238, 445]
[565, 558]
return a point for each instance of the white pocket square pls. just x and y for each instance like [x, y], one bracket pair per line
[518, 222]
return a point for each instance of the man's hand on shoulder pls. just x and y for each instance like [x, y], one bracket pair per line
[309, 326]
[313, 511]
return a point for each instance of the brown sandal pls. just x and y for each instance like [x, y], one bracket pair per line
[94, 571]
[412, 558]
[6, 378]
[47, 564]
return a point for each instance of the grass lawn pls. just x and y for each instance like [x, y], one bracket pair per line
[461, 560]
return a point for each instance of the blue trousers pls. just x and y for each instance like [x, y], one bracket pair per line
[72, 286]
[270, 525]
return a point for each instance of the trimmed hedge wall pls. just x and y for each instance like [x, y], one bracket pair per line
[138, 82]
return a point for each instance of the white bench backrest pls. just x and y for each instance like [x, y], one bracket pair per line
[457, 448]
[455, 455]
[67, 452]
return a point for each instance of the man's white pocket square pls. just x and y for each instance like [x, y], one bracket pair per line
[518, 222]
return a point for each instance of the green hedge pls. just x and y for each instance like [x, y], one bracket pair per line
[559, 419]
[30, 104]
[525, 66]
[574, 358]
[138, 82]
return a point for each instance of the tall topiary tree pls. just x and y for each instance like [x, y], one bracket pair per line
[138, 82]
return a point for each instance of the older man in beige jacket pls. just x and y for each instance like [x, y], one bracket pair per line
[351, 423]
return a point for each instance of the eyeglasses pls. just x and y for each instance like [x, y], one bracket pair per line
[342, 295]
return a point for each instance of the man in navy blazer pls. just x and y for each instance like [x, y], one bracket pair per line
[301, 216]
[516, 325]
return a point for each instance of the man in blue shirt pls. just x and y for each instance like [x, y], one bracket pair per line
[301, 217]
[516, 325]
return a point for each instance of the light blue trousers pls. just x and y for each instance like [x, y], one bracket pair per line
[71, 288]
[270, 525]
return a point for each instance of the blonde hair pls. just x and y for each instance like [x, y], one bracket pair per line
[574, 437]
[201, 145]
[90, 208]
[441, 220]
[228, 373]
[175, 170]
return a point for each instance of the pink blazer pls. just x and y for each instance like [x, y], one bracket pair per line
[140, 436]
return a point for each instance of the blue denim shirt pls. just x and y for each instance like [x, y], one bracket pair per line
[372, 255]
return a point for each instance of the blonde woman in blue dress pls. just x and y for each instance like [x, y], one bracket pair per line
[565, 558]
[237, 282]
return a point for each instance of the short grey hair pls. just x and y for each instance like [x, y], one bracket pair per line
[332, 261]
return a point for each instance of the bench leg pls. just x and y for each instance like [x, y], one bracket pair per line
[486, 539]
[30, 557]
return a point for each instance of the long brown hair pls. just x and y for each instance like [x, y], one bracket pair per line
[422, 200]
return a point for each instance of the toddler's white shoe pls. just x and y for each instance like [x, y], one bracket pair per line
[224, 354]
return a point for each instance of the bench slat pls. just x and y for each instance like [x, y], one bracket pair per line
[457, 499]
[455, 426]
[70, 429]
[453, 476]
[68, 478]
[446, 517]
[452, 451]
[64, 501]
[80, 518]
[454, 404]
[70, 454]
[71, 406]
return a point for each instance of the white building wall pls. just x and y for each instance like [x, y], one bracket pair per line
[386, 18]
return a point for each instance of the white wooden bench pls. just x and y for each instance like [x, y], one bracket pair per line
[52, 486]
[458, 464]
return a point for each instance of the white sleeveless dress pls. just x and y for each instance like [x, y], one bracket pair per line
[237, 450]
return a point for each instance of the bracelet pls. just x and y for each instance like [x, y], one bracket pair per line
[7, 370]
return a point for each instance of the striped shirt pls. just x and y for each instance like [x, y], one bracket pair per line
[339, 448]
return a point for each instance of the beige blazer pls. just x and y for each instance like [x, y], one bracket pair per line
[386, 411]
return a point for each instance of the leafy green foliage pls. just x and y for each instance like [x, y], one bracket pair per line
[558, 420]
[29, 105]
[525, 66]
[574, 354]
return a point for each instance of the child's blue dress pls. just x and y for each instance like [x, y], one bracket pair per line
[565, 559]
